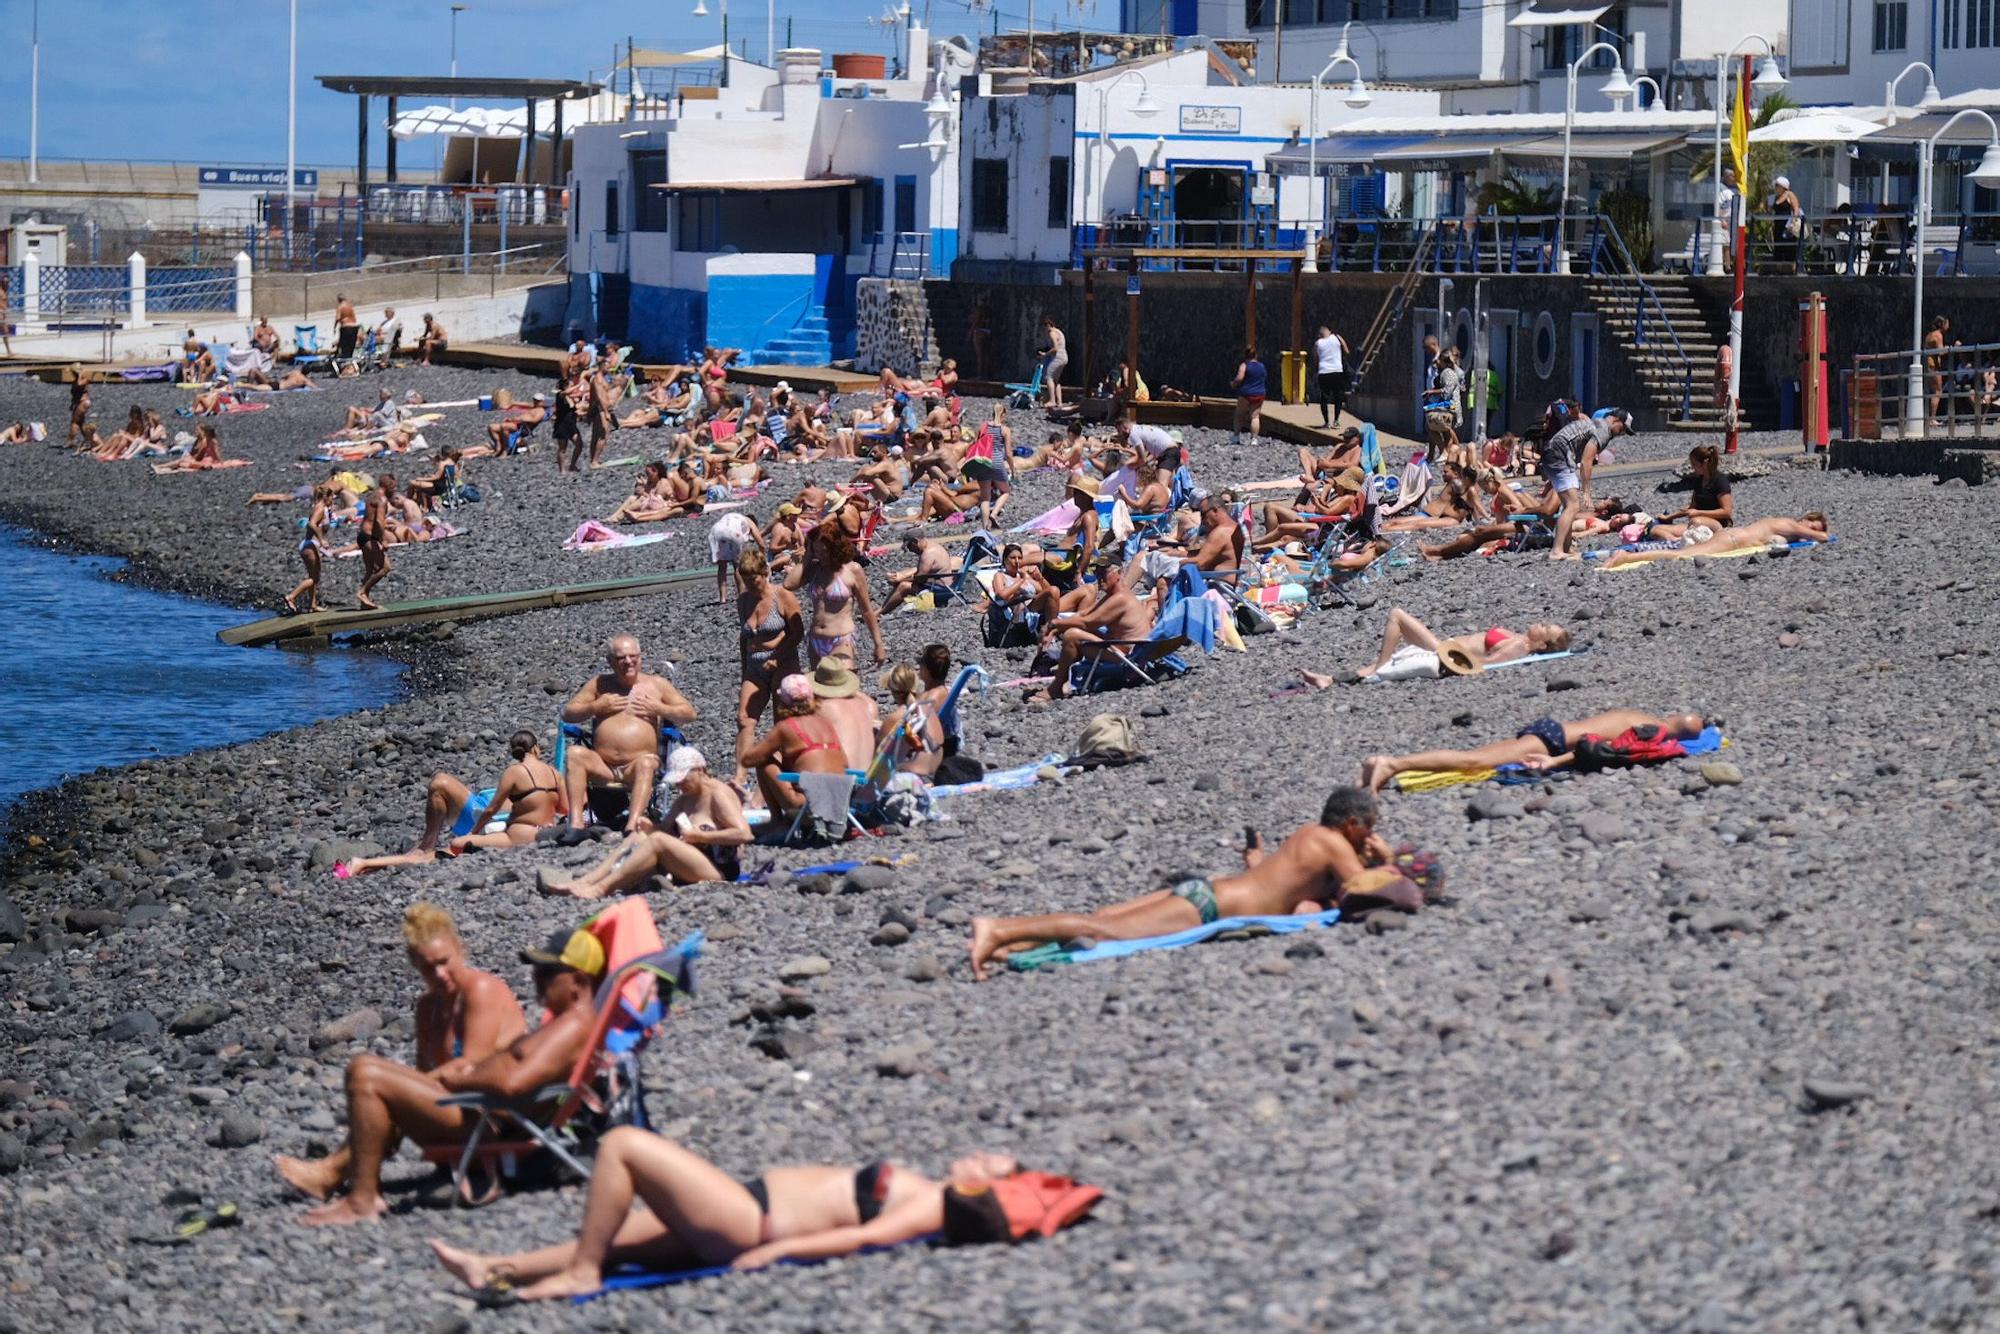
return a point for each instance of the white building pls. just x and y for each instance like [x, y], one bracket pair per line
[1170, 146]
[744, 216]
[1847, 51]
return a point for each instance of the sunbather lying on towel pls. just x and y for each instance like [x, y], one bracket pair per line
[1314, 869]
[1542, 744]
[705, 831]
[1505, 500]
[469, 1035]
[529, 795]
[1410, 650]
[697, 1214]
[1810, 527]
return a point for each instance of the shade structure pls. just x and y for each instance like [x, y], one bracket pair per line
[1451, 148]
[755, 187]
[1598, 147]
[1555, 17]
[642, 58]
[1817, 127]
[1335, 151]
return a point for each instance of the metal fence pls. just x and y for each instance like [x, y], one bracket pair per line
[1954, 395]
[97, 294]
[426, 278]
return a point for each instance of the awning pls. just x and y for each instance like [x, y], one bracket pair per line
[1815, 127]
[1454, 148]
[641, 58]
[755, 187]
[1557, 18]
[1600, 147]
[1335, 151]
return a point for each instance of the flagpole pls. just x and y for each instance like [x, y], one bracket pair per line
[1738, 239]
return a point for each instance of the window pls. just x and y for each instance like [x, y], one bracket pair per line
[698, 221]
[1950, 25]
[1561, 46]
[650, 207]
[1892, 25]
[1373, 11]
[1059, 192]
[989, 194]
[1258, 13]
[575, 213]
[906, 203]
[1982, 22]
[871, 208]
[611, 208]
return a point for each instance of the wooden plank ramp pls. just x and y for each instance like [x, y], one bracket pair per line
[547, 360]
[475, 606]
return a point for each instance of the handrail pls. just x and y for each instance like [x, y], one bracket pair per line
[1952, 375]
[1646, 293]
[757, 341]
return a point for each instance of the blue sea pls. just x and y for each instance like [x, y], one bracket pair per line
[95, 672]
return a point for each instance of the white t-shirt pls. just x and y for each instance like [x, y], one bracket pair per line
[1151, 439]
[1125, 480]
[1329, 354]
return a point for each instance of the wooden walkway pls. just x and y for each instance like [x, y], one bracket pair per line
[546, 361]
[323, 625]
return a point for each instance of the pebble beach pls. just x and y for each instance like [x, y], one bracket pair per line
[1681, 1049]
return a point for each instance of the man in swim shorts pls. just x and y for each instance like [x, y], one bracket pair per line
[617, 769]
[1542, 744]
[1318, 866]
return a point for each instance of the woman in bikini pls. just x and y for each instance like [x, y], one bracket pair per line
[697, 1214]
[529, 795]
[834, 585]
[206, 453]
[771, 630]
[646, 503]
[1410, 650]
[910, 734]
[801, 741]
[312, 548]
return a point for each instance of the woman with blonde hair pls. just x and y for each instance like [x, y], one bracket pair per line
[463, 1016]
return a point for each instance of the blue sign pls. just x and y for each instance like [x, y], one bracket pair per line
[257, 178]
[1131, 284]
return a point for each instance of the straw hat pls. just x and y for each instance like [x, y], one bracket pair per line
[1087, 485]
[834, 680]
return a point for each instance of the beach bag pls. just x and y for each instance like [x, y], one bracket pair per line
[1108, 741]
[1634, 745]
[1380, 887]
[1251, 620]
[1026, 1204]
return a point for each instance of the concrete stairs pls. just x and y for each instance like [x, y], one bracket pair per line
[1656, 353]
[807, 343]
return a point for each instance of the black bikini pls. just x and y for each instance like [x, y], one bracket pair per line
[871, 1190]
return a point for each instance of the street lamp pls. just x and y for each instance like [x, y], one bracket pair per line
[291, 127]
[1767, 80]
[1357, 97]
[35, 95]
[1617, 87]
[939, 111]
[1930, 99]
[1145, 107]
[1658, 105]
[456, 10]
[1987, 174]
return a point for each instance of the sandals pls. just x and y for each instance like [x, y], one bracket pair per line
[192, 1224]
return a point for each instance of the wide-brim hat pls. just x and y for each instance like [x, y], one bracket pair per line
[1088, 485]
[834, 680]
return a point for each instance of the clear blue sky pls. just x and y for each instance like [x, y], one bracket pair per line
[152, 79]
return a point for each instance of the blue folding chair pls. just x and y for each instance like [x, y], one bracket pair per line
[307, 354]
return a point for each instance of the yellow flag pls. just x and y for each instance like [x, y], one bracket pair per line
[1739, 131]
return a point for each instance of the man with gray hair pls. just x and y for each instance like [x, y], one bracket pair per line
[610, 779]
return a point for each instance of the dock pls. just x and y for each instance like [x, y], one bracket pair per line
[323, 625]
[547, 360]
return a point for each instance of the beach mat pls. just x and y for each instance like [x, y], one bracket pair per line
[1708, 742]
[1052, 955]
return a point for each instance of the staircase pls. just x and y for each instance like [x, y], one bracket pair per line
[819, 336]
[1390, 314]
[1672, 343]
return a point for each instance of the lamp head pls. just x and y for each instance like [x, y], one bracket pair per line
[1931, 98]
[1145, 106]
[1358, 95]
[1618, 87]
[1987, 173]
[1769, 78]
[939, 106]
[701, 9]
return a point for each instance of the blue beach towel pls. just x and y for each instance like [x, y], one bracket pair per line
[1194, 935]
[1708, 742]
[631, 1276]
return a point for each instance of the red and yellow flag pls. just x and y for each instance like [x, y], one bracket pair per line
[1739, 128]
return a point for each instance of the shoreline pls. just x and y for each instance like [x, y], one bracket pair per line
[1559, 1098]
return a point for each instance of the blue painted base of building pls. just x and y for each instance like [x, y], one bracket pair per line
[667, 323]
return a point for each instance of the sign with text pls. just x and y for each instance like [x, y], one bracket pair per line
[257, 178]
[1211, 120]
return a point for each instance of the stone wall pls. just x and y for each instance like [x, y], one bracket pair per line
[1943, 460]
[892, 326]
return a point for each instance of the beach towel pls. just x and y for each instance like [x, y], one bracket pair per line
[632, 1276]
[1001, 780]
[1051, 955]
[591, 535]
[1058, 520]
[1708, 742]
[241, 359]
[1495, 666]
[136, 374]
[163, 469]
[230, 409]
[437, 533]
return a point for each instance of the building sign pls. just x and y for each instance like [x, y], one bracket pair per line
[1211, 120]
[257, 178]
[1131, 284]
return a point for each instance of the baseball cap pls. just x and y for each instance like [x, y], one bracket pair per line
[576, 950]
[683, 761]
[1176, 436]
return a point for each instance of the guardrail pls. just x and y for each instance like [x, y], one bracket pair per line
[100, 294]
[1958, 397]
[432, 277]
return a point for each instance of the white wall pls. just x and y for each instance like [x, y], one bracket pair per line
[1026, 131]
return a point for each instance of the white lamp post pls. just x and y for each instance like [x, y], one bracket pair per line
[1658, 105]
[1145, 107]
[1357, 97]
[937, 143]
[1768, 80]
[291, 127]
[1617, 88]
[1987, 173]
[35, 95]
[1927, 102]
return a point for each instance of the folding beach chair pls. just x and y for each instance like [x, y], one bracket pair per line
[307, 354]
[828, 813]
[980, 550]
[1021, 397]
[602, 1092]
[670, 737]
[1118, 664]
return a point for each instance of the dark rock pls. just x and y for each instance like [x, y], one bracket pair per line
[137, 1024]
[900, 1062]
[1207, 783]
[1494, 805]
[198, 1018]
[12, 1154]
[238, 1130]
[892, 933]
[1305, 949]
[13, 926]
[1466, 719]
[1558, 684]
[790, 1044]
[923, 968]
[1825, 1092]
[1718, 920]
[326, 852]
[1604, 829]
[863, 879]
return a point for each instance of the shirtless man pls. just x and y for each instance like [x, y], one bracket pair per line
[708, 833]
[1506, 500]
[1219, 545]
[934, 562]
[347, 328]
[886, 475]
[1542, 744]
[626, 707]
[516, 424]
[1313, 869]
[1116, 616]
[373, 536]
[1345, 455]
[378, 418]
[387, 1101]
[527, 795]
[801, 741]
[852, 713]
[1809, 527]
[264, 338]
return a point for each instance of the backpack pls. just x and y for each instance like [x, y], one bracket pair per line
[1107, 741]
[1015, 1208]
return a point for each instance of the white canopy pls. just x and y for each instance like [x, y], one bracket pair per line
[1814, 127]
[1557, 18]
[474, 122]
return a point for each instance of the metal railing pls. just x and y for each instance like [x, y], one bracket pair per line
[1133, 232]
[433, 277]
[536, 204]
[1958, 397]
[1607, 238]
[102, 293]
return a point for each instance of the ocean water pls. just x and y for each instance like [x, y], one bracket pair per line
[95, 672]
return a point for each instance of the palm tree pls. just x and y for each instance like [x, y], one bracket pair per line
[1510, 196]
[1764, 162]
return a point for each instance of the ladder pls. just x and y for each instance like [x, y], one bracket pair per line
[1390, 316]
